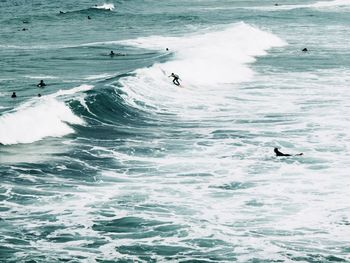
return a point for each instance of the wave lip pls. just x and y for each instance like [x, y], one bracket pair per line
[39, 118]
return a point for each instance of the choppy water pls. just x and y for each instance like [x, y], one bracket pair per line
[116, 164]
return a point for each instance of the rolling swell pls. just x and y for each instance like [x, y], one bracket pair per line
[107, 106]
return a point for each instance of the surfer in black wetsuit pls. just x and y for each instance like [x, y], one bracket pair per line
[305, 49]
[13, 95]
[278, 153]
[176, 79]
[41, 84]
[112, 54]
[88, 17]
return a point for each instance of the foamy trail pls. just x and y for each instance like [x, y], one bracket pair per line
[39, 118]
[41, 77]
[98, 76]
[105, 6]
[319, 4]
[72, 91]
[331, 3]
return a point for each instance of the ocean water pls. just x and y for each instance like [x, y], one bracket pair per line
[114, 163]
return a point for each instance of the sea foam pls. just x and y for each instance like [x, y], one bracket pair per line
[214, 57]
[319, 4]
[39, 118]
[331, 3]
[105, 6]
[205, 63]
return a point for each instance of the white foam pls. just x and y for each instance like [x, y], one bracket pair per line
[204, 62]
[39, 118]
[41, 77]
[99, 76]
[105, 6]
[213, 57]
[320, 4]
[72, 91]
[334, 3]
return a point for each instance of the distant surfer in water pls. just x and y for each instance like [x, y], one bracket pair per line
[112, 54]
[13, 95]
[278, 153]
[176, 79]
[305, 49]
[88, 17]
[41, 84]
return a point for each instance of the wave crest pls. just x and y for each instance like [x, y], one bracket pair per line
[39, 118]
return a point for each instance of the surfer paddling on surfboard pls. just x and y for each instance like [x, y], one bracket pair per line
[278, 153]
[176, 79]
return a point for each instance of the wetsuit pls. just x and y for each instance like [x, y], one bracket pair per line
[278, 153]
[176, 79]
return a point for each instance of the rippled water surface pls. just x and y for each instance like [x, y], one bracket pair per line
[114, 163]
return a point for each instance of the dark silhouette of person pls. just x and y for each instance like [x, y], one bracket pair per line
[89, 17]
[41, 84]
[276, 4]
[278, 153]
[24, 29]
[61, 12]
[13, 95]
[176, 79]
[167, 49]
[39, 95]
[305, 49]
[112, 54]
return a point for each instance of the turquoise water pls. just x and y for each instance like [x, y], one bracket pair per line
[113, 163]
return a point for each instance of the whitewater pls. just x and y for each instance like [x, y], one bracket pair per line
[114, 163]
